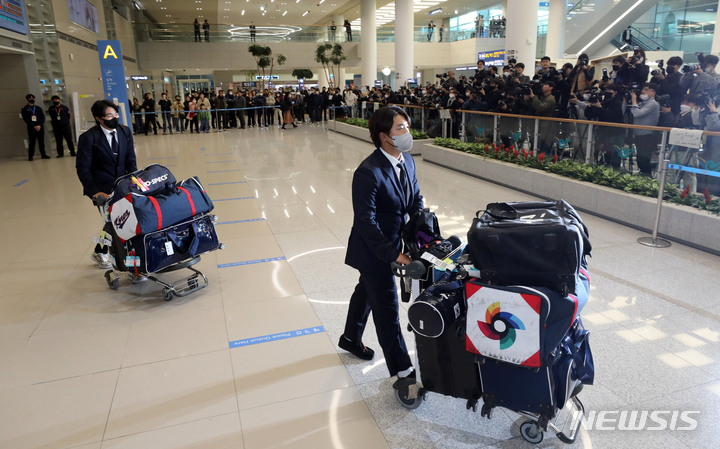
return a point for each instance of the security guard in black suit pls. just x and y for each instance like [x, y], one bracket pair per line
[105, 152]
[60, 119]
[35, 120]
[384, 192]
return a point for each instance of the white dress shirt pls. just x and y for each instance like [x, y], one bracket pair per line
[395, 163]
[109, 136]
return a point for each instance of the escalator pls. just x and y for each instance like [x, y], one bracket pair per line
[595, 23]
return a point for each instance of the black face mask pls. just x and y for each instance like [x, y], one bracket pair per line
[31, 101]
[56, 103]
[616, 68]
[112, 123]
[670, 70]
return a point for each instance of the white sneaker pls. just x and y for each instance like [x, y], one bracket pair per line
[135, 278]
[101, 260]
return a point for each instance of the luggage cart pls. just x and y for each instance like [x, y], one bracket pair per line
[183, 287]
[566, 424]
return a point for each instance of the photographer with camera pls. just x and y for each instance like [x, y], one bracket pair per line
[670, 83]
[709, 63]
[480, 72]
[582, 74]
[695, 80]
[608, 108]
[544, 68]
[645, 113]
[620, 73]
[543, 106]
[519, 77]
[492, 94]
[638, 69]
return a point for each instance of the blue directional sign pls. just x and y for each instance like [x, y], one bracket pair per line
[112, 73]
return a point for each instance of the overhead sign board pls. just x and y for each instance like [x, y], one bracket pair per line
[496, 58]
[139, 78]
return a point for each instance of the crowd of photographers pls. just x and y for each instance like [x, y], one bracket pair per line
[673, 95]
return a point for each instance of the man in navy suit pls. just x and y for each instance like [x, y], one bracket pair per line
[384, 192]
[105, 152]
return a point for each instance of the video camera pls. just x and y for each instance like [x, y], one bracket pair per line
[635, 57]
[707, 96]
[533, 87]
[664, 100]
[661, 68]
[626, 90]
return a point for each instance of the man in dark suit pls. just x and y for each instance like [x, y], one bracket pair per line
[384, 192]
[34, 118]
[60, 119]
[105, 152]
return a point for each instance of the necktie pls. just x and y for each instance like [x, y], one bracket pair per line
[115, 147]
[404, 183]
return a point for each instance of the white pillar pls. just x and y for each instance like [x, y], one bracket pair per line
[505, 8]
[555, 41]
[715, 49]
[322, 79]
[340, 82]
[404, 27]
[368, 42]
[521, 32]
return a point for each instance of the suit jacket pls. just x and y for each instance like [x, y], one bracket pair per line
[379, 213]
[95, 163]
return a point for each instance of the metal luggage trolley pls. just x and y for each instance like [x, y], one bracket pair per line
[183, 287]
[566, 424]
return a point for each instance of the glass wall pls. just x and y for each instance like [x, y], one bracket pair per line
[686, 25]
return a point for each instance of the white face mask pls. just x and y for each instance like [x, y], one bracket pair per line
[403, 143]
[586, 96]
[467, 94]
[452, 95]
[640, 60]
[644, 97]
[684, 108]
[424, 92]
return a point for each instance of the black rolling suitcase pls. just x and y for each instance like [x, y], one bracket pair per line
[533, 243]
[437, 317]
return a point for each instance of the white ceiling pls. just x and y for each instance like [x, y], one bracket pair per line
[174, 12]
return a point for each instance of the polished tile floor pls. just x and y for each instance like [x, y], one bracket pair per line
[82, 366]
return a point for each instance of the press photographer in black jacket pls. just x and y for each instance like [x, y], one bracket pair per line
[608, 109]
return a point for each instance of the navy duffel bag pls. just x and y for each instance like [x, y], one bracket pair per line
[137, 214]
[158, 250]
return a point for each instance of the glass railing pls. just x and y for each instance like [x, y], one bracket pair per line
[627, 158]
[616, 148]
[173, 32]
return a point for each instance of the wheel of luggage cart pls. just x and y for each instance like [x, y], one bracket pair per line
[410, 404]
[112, 280]
[167, 294]
[530, 431]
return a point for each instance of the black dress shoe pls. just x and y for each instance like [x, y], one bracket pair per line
[60, 155]
[44, 156]
[358, 349]
[404, 382]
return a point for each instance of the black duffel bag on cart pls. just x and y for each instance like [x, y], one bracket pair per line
[542, 244]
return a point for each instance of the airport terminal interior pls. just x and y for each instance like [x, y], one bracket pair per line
[100, 358]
